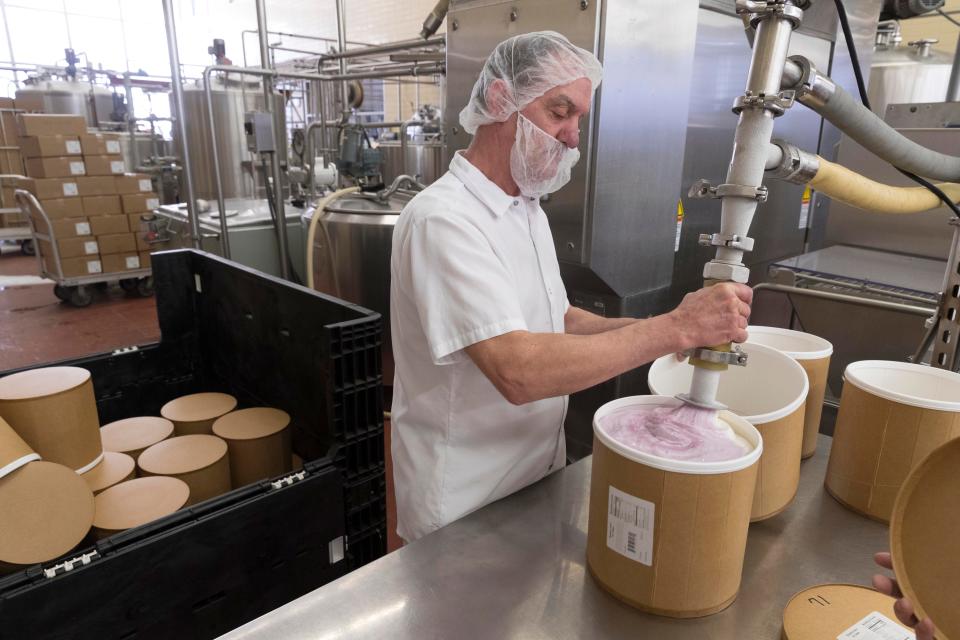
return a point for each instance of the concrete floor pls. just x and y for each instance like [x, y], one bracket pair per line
[36, 328]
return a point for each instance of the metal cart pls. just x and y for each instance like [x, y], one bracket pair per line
[73, 289]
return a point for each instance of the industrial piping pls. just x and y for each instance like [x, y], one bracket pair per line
[822, 95]
[761, 103]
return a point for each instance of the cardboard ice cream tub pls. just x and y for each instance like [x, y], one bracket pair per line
[197, 412]
[771, 394]
[668, 536]
[137, 502]
[54, 410]
[892, 415]
[133, 435]
[199, 460]
[813, 353]
[113, 469]
[45, 508]
[258, 441]
[924, 529]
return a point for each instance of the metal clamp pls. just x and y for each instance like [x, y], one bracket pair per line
[776, 104]
[813, 89]
[760, 10]
[796, 165]
[736, 357]
[703, 188]
[729, 241]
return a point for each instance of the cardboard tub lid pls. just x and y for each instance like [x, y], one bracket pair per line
[182, 454]
[112, 469]
[40, 383]
[134, 434]
[828, 611]
[135, 502]
[198, 406]
[250, 424]
[924, 529]
[46, 510]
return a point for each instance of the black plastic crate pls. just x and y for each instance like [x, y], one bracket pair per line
[228, 328]
[365, 548]
[361, 457]
[195, 574]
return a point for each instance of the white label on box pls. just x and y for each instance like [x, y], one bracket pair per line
[91, 247]
[73, 146]
[145, 185]
[877, 626]
[94, 266]
[116, 166]
[153, 203]
[113, 146]
[70, 189]
[77, 168]
[133, 262]
[630, 526]
[82, 228]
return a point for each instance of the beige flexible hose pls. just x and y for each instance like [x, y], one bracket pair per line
[317, 214]
[850, 187]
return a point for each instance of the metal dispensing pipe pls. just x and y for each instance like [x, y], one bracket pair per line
[176, 87]
[773, 22]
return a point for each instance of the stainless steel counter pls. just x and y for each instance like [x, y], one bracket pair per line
[517, 569]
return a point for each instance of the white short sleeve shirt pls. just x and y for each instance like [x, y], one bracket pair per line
[469, 263]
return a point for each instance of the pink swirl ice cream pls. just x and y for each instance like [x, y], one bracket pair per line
[678, 433]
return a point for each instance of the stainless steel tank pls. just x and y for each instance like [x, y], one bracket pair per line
[75, 97]
[424, 160]
[241, 179]
[148, 145]
[351, 256]
[908, 74]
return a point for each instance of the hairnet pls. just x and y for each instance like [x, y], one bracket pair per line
[530, 65]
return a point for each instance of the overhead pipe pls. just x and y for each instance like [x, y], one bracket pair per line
[389, 47]
[434, 19]
[822, 95]
[176, 87]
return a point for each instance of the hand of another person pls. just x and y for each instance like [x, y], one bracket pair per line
[902, 607]
[714, 315]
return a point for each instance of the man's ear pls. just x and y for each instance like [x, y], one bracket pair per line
[499, 100]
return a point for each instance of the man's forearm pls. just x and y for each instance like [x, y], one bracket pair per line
[584, 323]
[545, 365]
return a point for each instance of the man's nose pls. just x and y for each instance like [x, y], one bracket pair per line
[570, 136]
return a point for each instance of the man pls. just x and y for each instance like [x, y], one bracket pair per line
[487, 347]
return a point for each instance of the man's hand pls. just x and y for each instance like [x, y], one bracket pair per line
[902, 607]
[714, 315]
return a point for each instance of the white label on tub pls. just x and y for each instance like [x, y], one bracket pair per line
[77, 168]
[113, 146]
[116, 166]
[153, 203]
[70, 188]
[133, 262]
[145, 185]
[91, 247]
[73, 146]
[93, 266]
[630, 526]
[876, 626]
[82, 228]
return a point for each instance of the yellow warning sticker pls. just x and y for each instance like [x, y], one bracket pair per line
[805, 207]
[676, 242]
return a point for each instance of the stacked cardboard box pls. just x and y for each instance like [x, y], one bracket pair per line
[51, 146]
